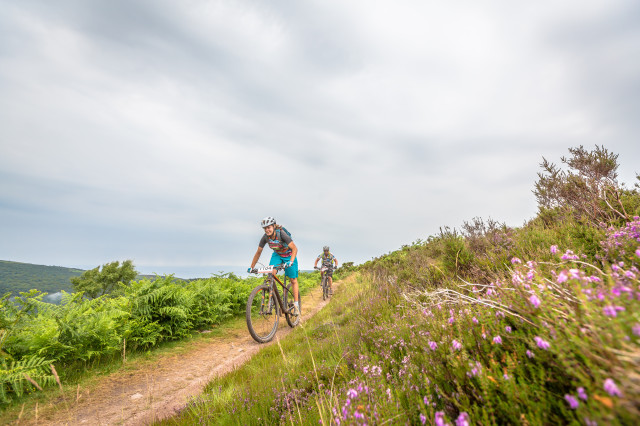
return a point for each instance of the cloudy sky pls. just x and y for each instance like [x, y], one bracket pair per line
[163, 131]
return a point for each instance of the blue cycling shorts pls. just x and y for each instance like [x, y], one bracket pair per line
[292, 271]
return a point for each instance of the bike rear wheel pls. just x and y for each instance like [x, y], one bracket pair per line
[262, 314]
[292, 320]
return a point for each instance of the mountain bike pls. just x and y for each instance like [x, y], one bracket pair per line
[326, 289]
[265, 305]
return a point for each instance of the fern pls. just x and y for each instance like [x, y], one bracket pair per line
[13, 376]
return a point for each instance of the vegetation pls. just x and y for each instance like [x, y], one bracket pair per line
[80, 332]
[16, 277]
[104, 280]
[484, 325]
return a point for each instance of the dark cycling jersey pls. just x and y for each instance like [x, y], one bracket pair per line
[280, 243]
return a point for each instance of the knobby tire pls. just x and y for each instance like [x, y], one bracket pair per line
[292, 320]
[262, 314]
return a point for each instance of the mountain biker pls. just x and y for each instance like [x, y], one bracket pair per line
[284, 252]
[328, 260]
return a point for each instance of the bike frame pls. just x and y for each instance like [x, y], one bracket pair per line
[273, 279]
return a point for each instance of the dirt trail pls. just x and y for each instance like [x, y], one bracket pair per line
[137, 397]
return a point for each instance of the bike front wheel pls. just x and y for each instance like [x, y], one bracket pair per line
[325, 290]
[262, 314]
[292, 320]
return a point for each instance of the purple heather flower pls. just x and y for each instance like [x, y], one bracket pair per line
[636, 329]
[433, 345]
[562, 277]
[554, 249]
[452, 320]
[611, 388]
[612, 311]
[508, 329]
[582, 394]
[506, 376]
[439, 420]
[572, 401]
[638, 252]
[475, 320]
[534, 301]
[456, 345]
[530, 354]
[542, 344]
[497, 340]
[352, 393]
[515, 260]
[463, 419]
[423, 419]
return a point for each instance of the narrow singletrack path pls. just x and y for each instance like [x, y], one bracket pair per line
[160, 389]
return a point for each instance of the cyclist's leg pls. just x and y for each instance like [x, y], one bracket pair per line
[292, 273]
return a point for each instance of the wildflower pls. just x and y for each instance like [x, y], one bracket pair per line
[475, 320]
[423, 419]
[506, 376]
[433, 345]
[456, 345]
[452, 320]
[542, 344]
[562, 277]
[352, 393]
[534, 301]
[463, 419]
[572, 401]
[497, 340]
[439, 420]
[636, 329]
[508, 329]
[611, 388]
[515, 260]
[612, 311]
[582, 394]
[554, 249]
[638, 252]
[530, 354]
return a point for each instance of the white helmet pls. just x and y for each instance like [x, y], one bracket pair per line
[325, 248]
[268, 221]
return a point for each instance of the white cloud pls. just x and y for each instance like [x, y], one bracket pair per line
[164, 131]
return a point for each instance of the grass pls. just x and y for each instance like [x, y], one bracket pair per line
[552, 338]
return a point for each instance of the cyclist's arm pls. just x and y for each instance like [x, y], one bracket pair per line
[316, 264]
[335, 260]
[294, 250]
[256, 257]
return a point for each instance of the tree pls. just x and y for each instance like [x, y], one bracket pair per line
[588, 190]
[95, 282]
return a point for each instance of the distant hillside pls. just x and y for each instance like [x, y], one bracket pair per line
[16, 277]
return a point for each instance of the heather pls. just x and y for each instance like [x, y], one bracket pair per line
[486, 324]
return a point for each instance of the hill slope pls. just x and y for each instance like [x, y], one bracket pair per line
[16, 277]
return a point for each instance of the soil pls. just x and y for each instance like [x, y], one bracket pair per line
[162, 388]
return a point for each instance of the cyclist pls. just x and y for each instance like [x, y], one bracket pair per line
[328, 260]
[284, 252]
